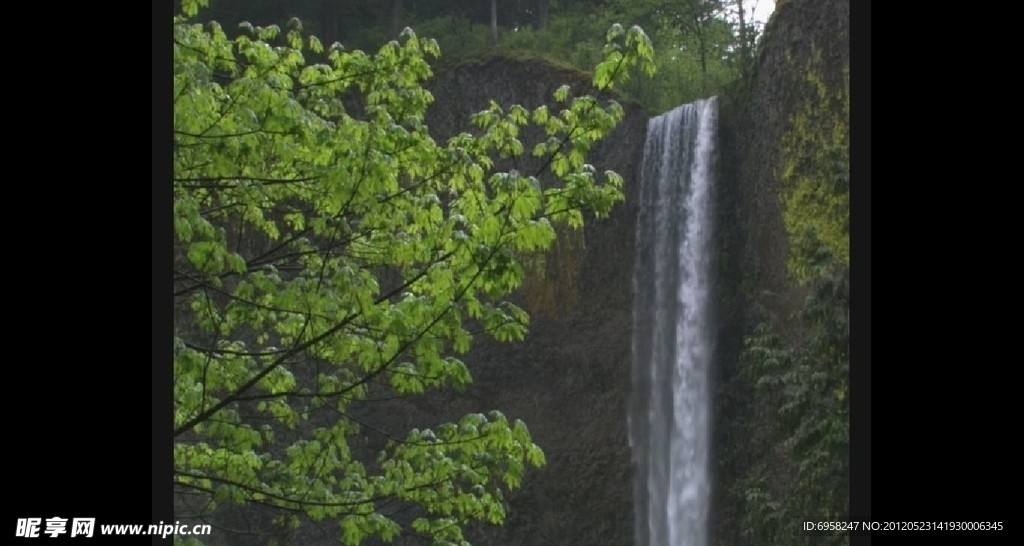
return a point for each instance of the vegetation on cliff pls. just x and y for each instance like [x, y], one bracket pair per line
[703, 47]
[803, 377]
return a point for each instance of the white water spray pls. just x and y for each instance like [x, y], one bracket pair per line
[669, 414]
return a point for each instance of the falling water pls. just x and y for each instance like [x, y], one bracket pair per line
[668, 421]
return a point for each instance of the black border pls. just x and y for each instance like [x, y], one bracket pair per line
[162, 331]
[76, 408]
[941, 411]
[860, 264]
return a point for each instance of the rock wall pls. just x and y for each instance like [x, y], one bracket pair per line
[803, 37]
[569, 380]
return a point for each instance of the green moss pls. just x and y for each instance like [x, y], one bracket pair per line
[815, 176]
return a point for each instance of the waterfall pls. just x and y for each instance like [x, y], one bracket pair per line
[669, 414]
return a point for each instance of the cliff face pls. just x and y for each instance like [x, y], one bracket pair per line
[804, 37]
[802, 68]
[569, 380]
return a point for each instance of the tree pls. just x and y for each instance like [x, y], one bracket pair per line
[494, 23]
[692, 18]
[328, 252]
[396, 17]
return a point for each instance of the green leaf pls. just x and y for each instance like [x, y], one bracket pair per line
[327, 253]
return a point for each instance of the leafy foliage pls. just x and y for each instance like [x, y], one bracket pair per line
[809, 388]
[702, 49]
[329, 252]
